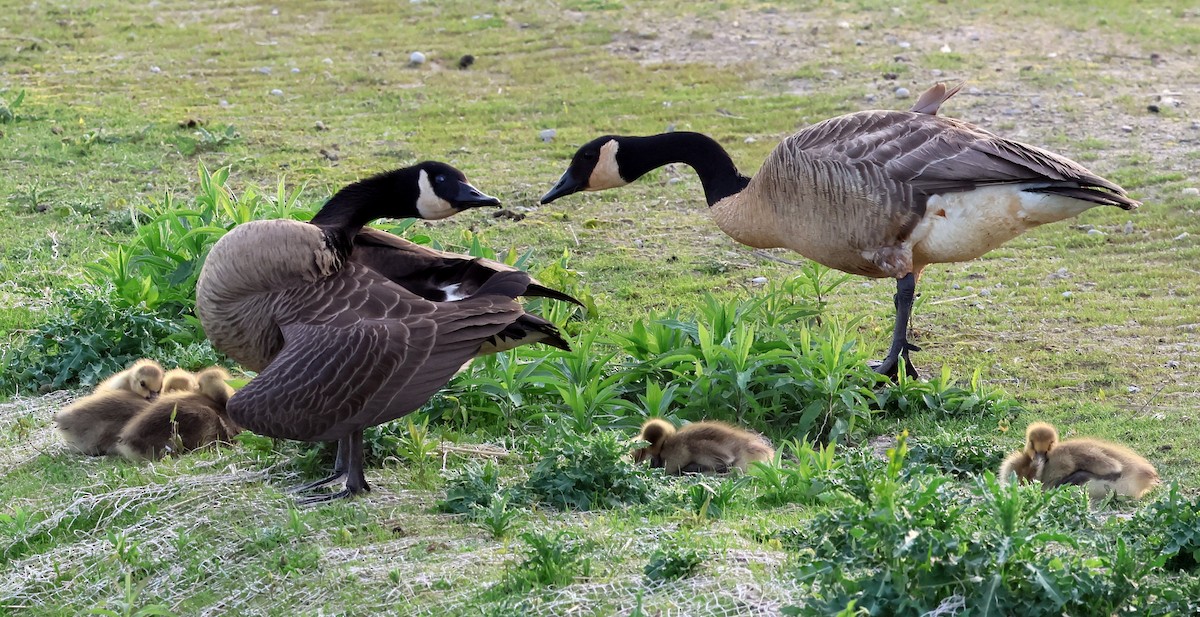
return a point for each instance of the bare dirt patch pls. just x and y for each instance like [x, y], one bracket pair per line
[1031, 81]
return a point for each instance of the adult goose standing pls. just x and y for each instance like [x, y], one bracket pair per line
[875, 193]
[350, 327]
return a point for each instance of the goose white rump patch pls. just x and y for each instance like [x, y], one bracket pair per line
[963, 226]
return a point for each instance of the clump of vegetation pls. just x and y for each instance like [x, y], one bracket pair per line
[911, 543]
[961, 455]
[586, 473]
[91, 337]
[551, 561]
[674, 559]
[1171, 526]
[9, 105]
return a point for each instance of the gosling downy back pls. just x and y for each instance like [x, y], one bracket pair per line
[92, 424]
[701, 447]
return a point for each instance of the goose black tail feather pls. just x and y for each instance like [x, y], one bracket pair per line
[1096, 196]
[545, 292]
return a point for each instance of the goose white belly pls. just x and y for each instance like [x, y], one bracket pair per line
[963, 226]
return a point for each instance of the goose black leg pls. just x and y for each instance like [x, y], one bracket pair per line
[356, 480]
[905, 288]
[339, 470]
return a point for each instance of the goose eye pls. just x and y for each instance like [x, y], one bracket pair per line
[440, 179]
[587, 156]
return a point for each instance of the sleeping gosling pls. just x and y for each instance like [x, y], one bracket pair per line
[92, 424]
[181, 421]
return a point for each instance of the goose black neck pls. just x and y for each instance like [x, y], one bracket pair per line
[350, 209]
[718, 175]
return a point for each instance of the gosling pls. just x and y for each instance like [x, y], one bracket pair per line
[143, 378]
[181, 421]
[700, 447]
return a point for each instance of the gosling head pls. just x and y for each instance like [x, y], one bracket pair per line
[146, 380]
[656, 432]
[428, 190]
[1040, 438]
[594, 167]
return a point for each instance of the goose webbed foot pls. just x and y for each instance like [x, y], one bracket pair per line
[889, 366]
[347, 469]
[338, 477]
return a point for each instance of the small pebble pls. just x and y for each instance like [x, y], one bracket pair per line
[155, 69]
[1182, 236]
[295, 70]
[671, 128]
[749, 140]
[466, 61]
[320, 126]
[956, 286]
[973, 36]
[1173, 364]
[327, 61]
[985, 292]
[547, 135]
[1133, 389]
[974, 90]
[265, 70]
[1191, 191]
[902, 93]
[844, 25]
[759, 280]
[416, 58]
[936, 72]
[276, 92]
[223, 103]
[904, 44]
[1128, 229]
[871, 98]
[674, 180]
[945, 49]
[1095, 232]
[274, 11]
[1152, 108]
[1126, 128]
[1066, 294]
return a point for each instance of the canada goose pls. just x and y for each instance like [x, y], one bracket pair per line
[195, 418]
[143, 378]
[1103, 467]
[713, 447]
[875, 193]
[178, 380]
[350, 327]
[92, 424]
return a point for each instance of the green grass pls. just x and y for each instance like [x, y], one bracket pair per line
[1106, 348]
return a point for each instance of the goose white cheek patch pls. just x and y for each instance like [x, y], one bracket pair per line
[607, 174]
[429, 205]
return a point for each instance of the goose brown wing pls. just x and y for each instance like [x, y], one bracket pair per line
[362, 352]
[933, 155]
[427, 272]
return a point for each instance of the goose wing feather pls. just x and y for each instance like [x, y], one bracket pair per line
[934, 154]
[426, 271]
[362, 351]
